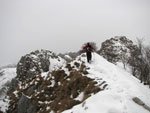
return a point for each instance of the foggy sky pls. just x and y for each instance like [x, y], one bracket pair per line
[64, 25]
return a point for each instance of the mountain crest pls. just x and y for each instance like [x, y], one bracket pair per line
[56, 90]
[76, 87]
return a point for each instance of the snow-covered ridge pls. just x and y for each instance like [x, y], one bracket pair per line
[62, 87]
[67, 84]
[122, 88]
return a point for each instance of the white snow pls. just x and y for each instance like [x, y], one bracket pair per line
[15, 93]
[8, 75]
[68, 57]
[52, 83]
[44, 74]
[34, 56]
[80, 97]
[47, 108]
[56, 63]
[122, 87]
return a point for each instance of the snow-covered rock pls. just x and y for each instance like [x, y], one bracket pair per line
[117, 48]
[35, 63]
[67, 57]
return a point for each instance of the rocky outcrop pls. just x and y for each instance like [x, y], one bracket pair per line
[54, 91]
[117, 48]
[34, 63]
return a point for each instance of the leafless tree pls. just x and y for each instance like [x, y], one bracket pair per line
[147, 60]
[124, 59]
[140, 62]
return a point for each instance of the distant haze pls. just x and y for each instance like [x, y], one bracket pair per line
[64, 25]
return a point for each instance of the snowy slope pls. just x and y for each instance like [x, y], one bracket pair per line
[7, 75]
[122, 87]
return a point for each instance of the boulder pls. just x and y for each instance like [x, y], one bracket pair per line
[117, 48]
[34, 63]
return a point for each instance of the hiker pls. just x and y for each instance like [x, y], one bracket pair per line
[88, 48]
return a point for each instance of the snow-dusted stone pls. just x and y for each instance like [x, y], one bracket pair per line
[34, 63]
[117, 48]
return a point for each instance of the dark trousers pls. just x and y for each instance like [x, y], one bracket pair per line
[89, 56]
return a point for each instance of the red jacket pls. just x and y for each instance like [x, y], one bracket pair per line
[88, 48]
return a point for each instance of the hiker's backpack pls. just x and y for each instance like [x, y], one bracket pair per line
[89, 48]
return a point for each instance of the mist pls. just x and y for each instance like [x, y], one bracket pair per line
[64, 25]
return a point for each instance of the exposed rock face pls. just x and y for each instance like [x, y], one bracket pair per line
[26, 105]
[54, 91]
[117, 48]
[34, 63]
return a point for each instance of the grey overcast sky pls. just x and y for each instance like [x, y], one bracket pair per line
[64, 25]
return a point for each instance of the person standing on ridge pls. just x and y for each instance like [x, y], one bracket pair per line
[88, 48]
